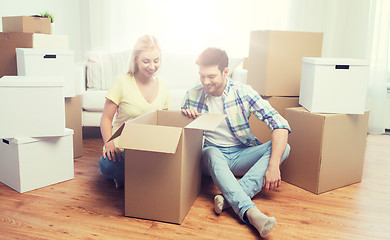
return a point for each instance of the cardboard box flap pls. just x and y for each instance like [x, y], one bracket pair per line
[209, 121]
[152, 138]
[117, 133]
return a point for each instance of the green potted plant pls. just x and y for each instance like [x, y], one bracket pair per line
[48, 15]
[51, 16]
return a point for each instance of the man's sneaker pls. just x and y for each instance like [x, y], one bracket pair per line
[118, 184]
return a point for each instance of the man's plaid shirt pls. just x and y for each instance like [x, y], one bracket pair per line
[240, 101]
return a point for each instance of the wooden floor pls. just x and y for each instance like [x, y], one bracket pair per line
[90, 207]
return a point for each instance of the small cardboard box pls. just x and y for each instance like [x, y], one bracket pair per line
[259, 128]
[30, 163]
[27, 24]
[245, 63]
[48, 62]
[31, 106]
[334, 85]
[327, 150]
[275, 59]
[73, 121]
[162, 163]
[10, 41]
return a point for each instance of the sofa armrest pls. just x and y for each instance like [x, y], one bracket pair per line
[80, 77]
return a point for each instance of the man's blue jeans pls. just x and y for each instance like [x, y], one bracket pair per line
[113, 170]
[224, 164]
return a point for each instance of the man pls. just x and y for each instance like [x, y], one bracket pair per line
[232, 151]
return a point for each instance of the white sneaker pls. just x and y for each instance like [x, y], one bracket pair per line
[118, 184]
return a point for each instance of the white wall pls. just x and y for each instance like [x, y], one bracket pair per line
[193, 25]
[66, 17]
[184, 26]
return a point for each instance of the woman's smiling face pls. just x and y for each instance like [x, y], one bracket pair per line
[148, 62]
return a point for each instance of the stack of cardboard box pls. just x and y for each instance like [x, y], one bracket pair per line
[329, 132]
[33, 36]
[328, 141]
[36, 147]
[274, 69]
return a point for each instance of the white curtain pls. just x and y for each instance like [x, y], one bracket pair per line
[379, 68]
[353, 29]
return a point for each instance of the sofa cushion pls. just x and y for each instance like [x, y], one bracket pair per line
[103, 68]
[93, 100]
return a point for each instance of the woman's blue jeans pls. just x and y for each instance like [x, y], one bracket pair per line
[113, 170]
[224, 164]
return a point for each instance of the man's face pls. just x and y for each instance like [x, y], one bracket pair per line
[213, 80]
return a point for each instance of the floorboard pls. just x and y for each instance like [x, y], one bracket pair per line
[89, 207]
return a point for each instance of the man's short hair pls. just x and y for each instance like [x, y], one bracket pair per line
[213, 56]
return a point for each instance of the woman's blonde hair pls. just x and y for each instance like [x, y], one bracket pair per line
[145, 42]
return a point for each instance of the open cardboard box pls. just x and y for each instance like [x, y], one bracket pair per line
[162, 163]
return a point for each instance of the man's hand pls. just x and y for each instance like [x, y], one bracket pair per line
[112, 152]
[192, 113]
[272, 178]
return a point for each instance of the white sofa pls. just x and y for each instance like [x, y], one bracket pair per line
[178, 70]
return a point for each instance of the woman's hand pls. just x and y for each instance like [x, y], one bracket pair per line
[111, 151]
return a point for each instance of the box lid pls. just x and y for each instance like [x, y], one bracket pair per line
[32, 81]
[209, 121]
[149, 137]
[24, 140]
[160, 138]
[335, 61]
[44, 51]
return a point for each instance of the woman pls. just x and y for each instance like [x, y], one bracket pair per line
[131, 95]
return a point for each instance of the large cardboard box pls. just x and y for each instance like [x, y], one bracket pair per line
[327, 150]
[334, 85]
[31, 106]
[275, 58]
[26, 24]
[259, 128]
[10, 41]
[30, 163]
[162, 163]
[48, 62]
[73, 121]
